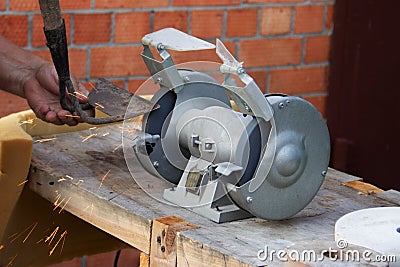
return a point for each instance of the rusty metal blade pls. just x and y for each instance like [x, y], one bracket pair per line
[114, 101]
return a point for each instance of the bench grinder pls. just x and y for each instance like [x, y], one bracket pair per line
[267, 157]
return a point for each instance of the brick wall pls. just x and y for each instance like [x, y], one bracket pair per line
[284, 43]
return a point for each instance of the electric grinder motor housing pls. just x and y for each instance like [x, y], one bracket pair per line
[267, 158]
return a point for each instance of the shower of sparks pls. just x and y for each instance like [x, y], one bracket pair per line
[45, 140]
[22, 183]
[72, 116]
[26, 122]
[98, 105]
[102, 179]
[30, 232]
[116, 148]
[63, 235]
[85, 138]
[65, 204]
[11, 261]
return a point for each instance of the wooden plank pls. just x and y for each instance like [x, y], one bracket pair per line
[126, 210]
[144, 260]
[164, 240]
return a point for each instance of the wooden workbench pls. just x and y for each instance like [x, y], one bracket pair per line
[90, 176]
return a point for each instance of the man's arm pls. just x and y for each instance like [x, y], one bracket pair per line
[27, 75]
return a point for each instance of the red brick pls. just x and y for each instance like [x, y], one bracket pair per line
[259, 53]
[77, 60]
[260, 77]
[297, 81]
[38, 38]
[24, 5]
[317, 49]
[33, 5]
[2, 4]
[207, 23]
[173, 19]
[329, 17]
[116, 61]
[319, 102]
[92, 28]
[130, 3]
[131, 27]
[206, 2]
[242, 22]
[272, 1]
[142, 86]
[11, 103]
[71, 263]
[276, 20]
[309, 19]
[15, 28]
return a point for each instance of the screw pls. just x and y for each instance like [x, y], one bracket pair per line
[156, 164]
[240, 70]
[249, 199]
[246, 107]
[281, 105]
[162, 248]
[159, 80]
[186, 79]
[159, 239]
[323, 173]
[160, 46]
[208, 146]
[287, 102]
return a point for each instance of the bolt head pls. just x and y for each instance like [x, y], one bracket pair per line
[281, 105]
[156, 164]
[186, 79]
[323, 173]
[249, 199]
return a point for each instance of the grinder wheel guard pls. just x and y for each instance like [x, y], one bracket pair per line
[105, 96]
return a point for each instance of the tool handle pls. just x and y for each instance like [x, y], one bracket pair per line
[51, 14]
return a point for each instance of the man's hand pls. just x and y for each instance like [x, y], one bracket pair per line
[42, 94]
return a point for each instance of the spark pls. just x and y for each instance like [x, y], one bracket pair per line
[61, 237]
[30, 232]
[30, 121]
[79, 182]
[22, 183]
[45, 140]
[116, 148]
[52, 235]
[57, 198]
[1, 247]
[56, 205]
[93, 128]
[98, 105]
[102, 179]
[73, 116]
[105, 134]
[91, 210]
[16, 236]
[65, 204]
[62, 179]
[11, 261]
[85, 138]
[69, 177]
